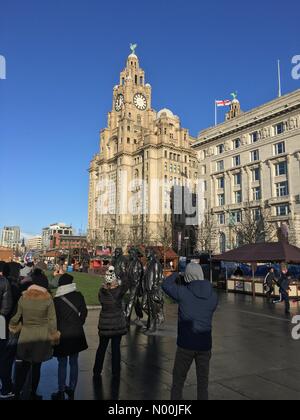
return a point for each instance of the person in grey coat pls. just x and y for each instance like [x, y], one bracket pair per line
[197, 303]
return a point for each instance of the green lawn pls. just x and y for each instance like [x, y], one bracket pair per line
[87, 284]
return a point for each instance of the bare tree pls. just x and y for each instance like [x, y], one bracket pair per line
[207, 233]
[165, 238]
[95, 238]
[121, 238]
[256, 226]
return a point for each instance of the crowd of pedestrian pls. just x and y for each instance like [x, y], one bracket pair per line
[40, 326]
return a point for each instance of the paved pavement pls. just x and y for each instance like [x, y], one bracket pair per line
[254, 358]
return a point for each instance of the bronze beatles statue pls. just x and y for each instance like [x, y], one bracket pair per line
[153, 301]
[120, 263]
[135, 273]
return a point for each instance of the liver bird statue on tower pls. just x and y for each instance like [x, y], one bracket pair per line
[133, 47]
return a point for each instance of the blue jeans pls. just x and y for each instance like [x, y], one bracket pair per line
[63, 369]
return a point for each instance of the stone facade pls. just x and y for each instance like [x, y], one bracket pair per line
[138, 144]
[253, 160]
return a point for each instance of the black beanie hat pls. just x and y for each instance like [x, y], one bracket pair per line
[65, 280]
[39, 279]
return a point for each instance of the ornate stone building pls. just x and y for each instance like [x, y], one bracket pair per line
[251, 162]
[139, 144]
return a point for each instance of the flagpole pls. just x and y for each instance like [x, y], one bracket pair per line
[216, 117]
[279, 80]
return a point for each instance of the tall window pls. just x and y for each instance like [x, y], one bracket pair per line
[221, 200]
[220, 165]
[281, 168]
[254, 137]
[221, 183]
[220, 149]
[279, 129]
[282, 189]
[237, 143]
[238, 197]
[255, 174]
[222, 243]
[221, 218]
[256, 194]
[236, 160]
[255, 155]
[279, 148]
[238, 179]
[256, 214]
[236, 216]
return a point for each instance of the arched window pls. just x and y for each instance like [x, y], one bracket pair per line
[222, 243]
[136, 80]
[141, 80]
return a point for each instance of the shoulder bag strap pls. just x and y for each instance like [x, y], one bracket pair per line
[70, 304]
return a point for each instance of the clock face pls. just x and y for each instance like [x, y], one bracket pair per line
[119, 102]
[140, 101]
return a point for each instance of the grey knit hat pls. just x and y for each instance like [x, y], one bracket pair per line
[193, 272]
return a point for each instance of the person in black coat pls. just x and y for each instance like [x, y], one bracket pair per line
[284, 288]
[269, 282]
[71, 312]
[112, 322]
[6, 305]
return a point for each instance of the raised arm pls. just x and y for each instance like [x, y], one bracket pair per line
[171, 288]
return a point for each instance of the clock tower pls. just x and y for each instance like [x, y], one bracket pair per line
[139, 145]
[132, 97]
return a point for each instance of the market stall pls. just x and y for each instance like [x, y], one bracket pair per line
[277, 252]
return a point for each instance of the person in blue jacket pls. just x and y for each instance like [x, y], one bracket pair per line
[197, 304]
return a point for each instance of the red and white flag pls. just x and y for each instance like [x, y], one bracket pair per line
[226, 102]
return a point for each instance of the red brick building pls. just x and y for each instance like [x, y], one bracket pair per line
[67, 242]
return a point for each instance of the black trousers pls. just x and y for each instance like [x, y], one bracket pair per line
[8, 349]
[116, 354]
[22, 371]
[286, 299]
[183, 362]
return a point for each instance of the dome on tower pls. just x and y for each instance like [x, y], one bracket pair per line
[166, 112]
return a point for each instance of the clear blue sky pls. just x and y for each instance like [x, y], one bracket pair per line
[64, 57]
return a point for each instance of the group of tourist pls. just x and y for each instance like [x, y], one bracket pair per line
[40, 326]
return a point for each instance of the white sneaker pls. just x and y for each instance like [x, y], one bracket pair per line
[8, 396]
